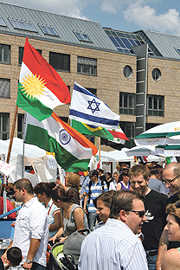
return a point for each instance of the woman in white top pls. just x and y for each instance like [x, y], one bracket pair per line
[114, 184]
[43, 191]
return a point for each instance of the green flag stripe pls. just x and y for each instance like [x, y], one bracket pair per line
[40, 137]
[103, 133]
[32, 106]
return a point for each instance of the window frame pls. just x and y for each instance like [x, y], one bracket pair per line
[9, 90]
[2, 54]
[4, 125]
[156, 109]
[85, 67]
[65, 66]
[124, 98]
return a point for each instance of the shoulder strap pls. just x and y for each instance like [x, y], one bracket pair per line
[74, 206]
[102, 184]
[89, 193]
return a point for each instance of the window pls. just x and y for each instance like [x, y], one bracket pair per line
[22, 24]
[2, 22]
[127, 103]
[156, 74]
[5, 54]
[21, 52]
[92, 90]
[127, 71]
[87, 66]
[155, 105]
[4, 126]
[59, 61]
[48, 30]
[4, 88]
[20, 125]
[82, 37]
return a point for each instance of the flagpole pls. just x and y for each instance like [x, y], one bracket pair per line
[12, 134]
[100, 150]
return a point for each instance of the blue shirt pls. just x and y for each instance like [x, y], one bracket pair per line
[96, 190]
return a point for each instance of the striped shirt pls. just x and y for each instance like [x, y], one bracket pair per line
[112, 247]
[96, 189]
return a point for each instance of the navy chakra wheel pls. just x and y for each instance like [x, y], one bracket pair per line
[64, 137]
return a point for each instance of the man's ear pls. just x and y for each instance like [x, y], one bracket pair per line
[123, 215]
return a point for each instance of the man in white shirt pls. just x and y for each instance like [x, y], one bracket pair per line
[31, 227]
[115, 245]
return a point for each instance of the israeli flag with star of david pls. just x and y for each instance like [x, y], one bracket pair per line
[87, 108]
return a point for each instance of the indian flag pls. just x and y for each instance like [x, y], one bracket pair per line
[73, 150]
[40, 87]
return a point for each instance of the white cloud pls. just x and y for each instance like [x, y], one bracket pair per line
[114, 6]
[71, 8]
[147, 18]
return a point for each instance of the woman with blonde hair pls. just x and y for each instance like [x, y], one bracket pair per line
[171, 258]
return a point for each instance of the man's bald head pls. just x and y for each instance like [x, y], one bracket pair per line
[171, 175]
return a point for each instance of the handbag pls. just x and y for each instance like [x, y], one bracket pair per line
[72, 245]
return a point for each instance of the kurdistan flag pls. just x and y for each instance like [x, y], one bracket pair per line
[91, 130]
[73, 150]
[40, 88]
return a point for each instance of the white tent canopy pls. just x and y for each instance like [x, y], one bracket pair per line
[30, 151]
[115, 156]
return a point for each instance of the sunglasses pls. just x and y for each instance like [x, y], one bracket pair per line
[139, 213]
[169, 181]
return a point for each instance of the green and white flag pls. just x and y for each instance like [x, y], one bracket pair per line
[73, 150]
[40, 87]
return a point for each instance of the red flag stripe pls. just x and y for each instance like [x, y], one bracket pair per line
[119, 135]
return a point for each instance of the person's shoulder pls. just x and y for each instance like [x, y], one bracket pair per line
[38, 205]
[158, 195]
[172, 257]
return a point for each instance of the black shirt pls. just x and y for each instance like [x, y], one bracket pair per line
[155, 205]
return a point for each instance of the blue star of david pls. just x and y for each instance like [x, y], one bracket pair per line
[93, 105]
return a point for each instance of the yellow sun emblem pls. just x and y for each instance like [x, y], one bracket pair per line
[33, 85]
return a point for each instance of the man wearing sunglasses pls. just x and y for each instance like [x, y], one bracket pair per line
[155, 204]
[171, 178]
[115, 244]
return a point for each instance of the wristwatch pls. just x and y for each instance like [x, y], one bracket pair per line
[28, 261]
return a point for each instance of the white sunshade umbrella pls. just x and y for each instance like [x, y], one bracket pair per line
[168, 150]
[165, 134]
[142, 150]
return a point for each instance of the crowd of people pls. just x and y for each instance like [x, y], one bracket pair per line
[132, 215]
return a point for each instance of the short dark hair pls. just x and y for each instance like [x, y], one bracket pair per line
[106, 197]
[122, 200]
[93, 173]
[14, 256]
[44, 187]
[24, 183]
[140, 169]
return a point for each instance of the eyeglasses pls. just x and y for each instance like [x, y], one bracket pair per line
[169, 181]
[139, 213]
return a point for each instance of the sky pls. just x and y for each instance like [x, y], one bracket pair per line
[127, 15]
